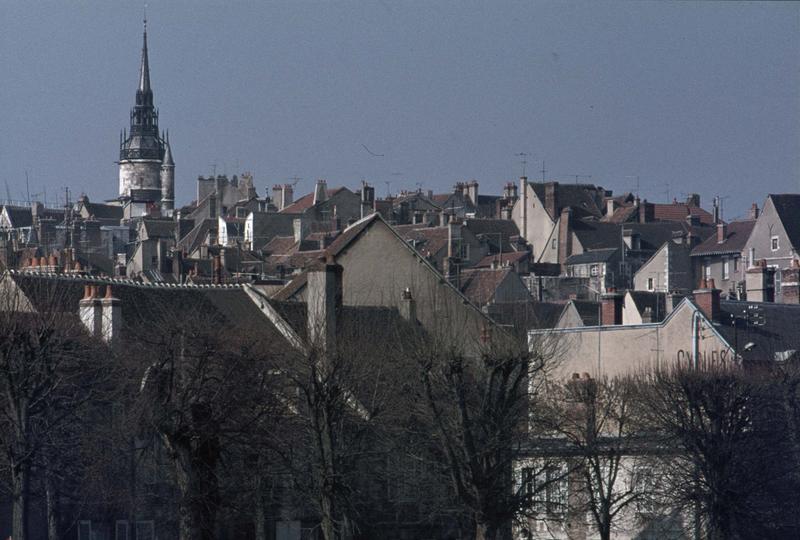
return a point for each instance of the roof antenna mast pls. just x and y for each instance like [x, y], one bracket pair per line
[524, 161]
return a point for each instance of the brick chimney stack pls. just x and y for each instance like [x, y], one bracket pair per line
[707, 299]
[722, 232]
[112, 316]
[790, 283]
[90, 310]
[551, 199]
[611, 308]
[754, 212]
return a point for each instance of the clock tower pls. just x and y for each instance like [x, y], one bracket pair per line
[142, 150]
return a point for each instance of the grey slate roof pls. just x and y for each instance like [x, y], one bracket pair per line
[593, 256]
[736, 237]
[787, 206]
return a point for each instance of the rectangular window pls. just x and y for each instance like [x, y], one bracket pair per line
[726, 269]
[145, 530]
[554, 243]
[735, 265]
[84, 530]
[547, 488]
[707, 270]
[594, 270]
[650, 285]
[752, 260]
[774, 245]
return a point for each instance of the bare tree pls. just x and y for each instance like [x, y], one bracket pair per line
[477, 408]
[206, 389]
[597, 427]
[50, 371]
[717, 422]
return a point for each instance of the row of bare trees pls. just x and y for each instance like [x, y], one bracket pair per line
[706, 452]
[215, 430]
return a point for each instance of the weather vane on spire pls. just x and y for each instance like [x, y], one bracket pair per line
[145, 16]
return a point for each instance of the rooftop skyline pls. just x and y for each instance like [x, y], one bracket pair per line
[687, 97]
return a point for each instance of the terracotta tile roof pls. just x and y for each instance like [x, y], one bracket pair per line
[678, 211]
[427, 240]
[621, 214]
[279, 245]
[736, 237]
[480, 285]
[307, 201]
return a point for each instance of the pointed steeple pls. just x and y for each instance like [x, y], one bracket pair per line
[144, 69]
[143, 141]
[167, 160]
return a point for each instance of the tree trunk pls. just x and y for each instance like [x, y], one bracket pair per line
[485, 531]
[51, 498]
[259, 515]
[20, 478]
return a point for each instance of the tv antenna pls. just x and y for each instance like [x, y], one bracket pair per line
[295, 179]
[524, 161]
[543, 171]
[577, 177]
[637, 182]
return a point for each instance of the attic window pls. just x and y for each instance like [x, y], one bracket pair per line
[774, 245]
[650, 286]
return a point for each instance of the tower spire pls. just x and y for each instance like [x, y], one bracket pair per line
[144, 69]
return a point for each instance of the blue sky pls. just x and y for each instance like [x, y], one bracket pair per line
[700, 97]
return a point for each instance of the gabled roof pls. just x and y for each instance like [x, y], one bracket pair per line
[622, 214]
[576, 196]
[197, 236]
[140, 304]
[19, 216]
[427, 240]
[480, 285]
[787, 206]
[588, 311]
[736, 237]
[656, 301]
[279, 245]
[159, 228]
[307, 201]
[109, 212]
[494, 230]
[595, 234]
[676, 211]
